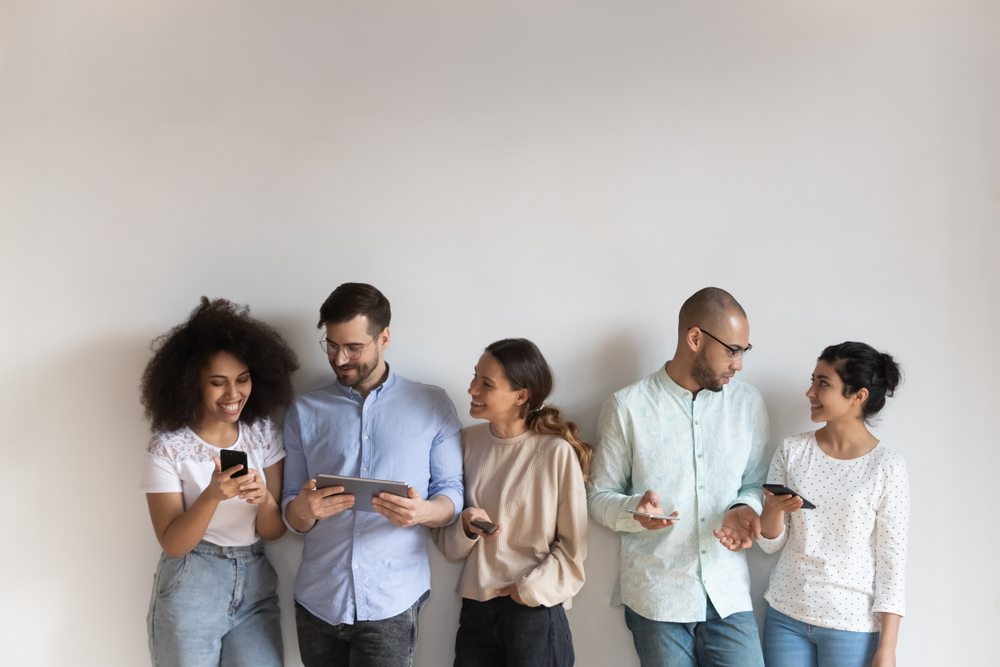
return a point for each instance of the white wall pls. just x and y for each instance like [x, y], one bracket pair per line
[565, 171]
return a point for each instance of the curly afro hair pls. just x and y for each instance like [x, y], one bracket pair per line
[171, 389]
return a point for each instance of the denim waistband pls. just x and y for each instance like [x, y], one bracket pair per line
[209, 549]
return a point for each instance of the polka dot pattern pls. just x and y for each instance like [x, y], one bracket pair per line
[843, 562]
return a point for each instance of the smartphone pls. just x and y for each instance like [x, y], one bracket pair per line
[485, 526]
[654, 516]
[782, 490]
[232, 458]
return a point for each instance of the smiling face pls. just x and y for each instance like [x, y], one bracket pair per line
[714, 366]
[225, 388]
[357, 373]
[493, 398]
[827, 402]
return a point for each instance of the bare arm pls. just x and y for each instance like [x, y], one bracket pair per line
[885, 655]
[269, 523]
[179, 531]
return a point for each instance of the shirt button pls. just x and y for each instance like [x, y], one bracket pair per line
[356, 565]
[366, 407]
[350, 599]
[702, 487]
[358, 532]
[364, 470]
[699, 456]
[703, 551]
[703, 521]
[366, 437]
[696, 423]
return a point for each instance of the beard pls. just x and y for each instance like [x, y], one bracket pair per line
[705, 376]
[364, 372]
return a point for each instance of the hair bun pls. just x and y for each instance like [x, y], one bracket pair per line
[891, 372]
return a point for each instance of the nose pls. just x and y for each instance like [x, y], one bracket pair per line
[341, 352]
[811, 392]
[473, 390]
[737, 363]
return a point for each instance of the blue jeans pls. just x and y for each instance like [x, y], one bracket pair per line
[791, 643]
[715, 642]
[503, 633]
[215, 606]
[388, 642]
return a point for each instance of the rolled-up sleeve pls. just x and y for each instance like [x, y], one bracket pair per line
[296, 472]
[446, 459]
[892, 520]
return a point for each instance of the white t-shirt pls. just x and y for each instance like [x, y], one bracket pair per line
[181, 462]
[843, 562]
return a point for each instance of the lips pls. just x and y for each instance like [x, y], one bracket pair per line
[231, 408]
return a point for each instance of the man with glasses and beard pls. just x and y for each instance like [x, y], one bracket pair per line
[364, 576]
[688, 442]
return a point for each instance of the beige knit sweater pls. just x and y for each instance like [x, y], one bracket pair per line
[533, 487]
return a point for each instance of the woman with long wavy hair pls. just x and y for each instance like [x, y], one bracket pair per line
[214, 599]
[523, 531]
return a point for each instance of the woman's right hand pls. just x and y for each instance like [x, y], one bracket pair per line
[469, 515]
[223, 486]
[786, 503]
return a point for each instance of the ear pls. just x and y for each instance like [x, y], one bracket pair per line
[693, 338]
[383, 338]
[521, 397]
[860, 397]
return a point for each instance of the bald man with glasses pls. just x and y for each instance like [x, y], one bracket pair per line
[690, 442]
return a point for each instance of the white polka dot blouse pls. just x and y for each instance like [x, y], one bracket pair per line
[843, 561]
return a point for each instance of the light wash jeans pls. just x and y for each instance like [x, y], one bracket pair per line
[215, 606]
[715, 642]
[791, 643]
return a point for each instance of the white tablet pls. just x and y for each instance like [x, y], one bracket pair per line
[362, 489]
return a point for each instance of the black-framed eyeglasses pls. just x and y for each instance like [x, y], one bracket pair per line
[735, 351]
[353, 350]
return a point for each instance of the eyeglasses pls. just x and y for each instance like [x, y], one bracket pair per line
[735, 351]
[353, 351]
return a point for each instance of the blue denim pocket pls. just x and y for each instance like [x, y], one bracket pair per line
[170, 573]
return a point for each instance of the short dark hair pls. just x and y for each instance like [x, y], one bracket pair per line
[171, 383]
[861, 366]
[706, 308]
[352, 299]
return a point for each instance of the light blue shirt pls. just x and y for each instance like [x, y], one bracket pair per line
[702, 455]
[359, 565]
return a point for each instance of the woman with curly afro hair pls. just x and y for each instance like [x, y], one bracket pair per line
[214, 600]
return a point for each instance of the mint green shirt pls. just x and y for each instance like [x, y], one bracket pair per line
[702, 455]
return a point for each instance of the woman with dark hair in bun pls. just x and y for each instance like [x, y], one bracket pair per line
[837, 594]
[524, 472]
[214, 600]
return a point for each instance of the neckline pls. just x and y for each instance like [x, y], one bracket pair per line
[517, 439]
[239, 437]
[815, 443]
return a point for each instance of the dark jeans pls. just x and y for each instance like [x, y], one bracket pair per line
[502, 633]
[385, 643]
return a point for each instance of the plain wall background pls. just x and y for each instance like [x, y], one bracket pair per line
[564, 171]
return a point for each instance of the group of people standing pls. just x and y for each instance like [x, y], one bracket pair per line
[678, 470]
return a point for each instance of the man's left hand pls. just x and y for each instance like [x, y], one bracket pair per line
[739, 526]
[403, 512]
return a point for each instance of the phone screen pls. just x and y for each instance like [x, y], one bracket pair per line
[232, 458]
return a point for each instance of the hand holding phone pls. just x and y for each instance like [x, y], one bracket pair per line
[782, 490]
[649, 513]
[672, 517]
[476, 522]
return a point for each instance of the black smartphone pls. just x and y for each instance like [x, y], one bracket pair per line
[232, 458]
[485, 526]
[782, 490]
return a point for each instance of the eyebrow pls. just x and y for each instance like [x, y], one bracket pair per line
[226, 377]
[344, 345]
[823, 377]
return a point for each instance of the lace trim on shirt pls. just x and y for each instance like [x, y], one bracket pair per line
[184, 445]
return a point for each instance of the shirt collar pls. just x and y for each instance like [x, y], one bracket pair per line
[670, 386]
[390, 379]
